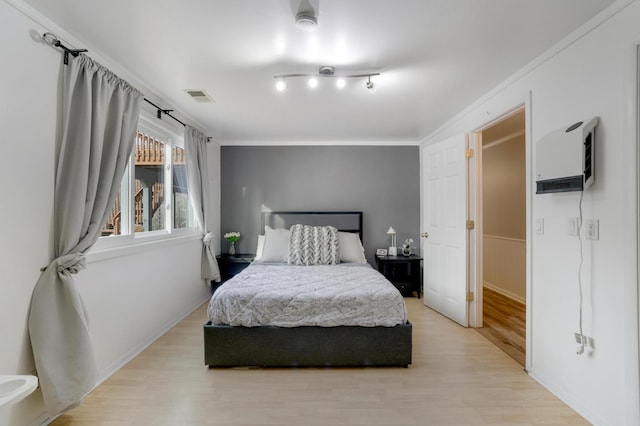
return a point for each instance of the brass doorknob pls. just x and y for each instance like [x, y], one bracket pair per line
[425, 235]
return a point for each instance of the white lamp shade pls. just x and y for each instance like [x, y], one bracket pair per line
[393, 250]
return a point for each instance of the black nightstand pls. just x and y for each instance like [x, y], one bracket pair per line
[404, 272]
[232, 264]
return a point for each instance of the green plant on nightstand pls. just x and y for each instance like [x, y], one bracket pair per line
[406, 247]
[232, 237]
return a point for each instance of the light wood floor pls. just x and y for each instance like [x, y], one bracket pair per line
[457, 378]
[504, 323]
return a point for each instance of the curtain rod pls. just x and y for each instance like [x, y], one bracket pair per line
[161, 111]
[51, 39]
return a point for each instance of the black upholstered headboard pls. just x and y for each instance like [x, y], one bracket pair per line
[344, 221]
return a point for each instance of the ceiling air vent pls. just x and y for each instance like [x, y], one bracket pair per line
[199, 95]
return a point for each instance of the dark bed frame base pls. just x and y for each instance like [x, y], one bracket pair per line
[226, 346]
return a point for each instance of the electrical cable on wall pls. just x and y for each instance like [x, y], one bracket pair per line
[580, 350]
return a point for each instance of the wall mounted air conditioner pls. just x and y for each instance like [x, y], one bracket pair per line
[565, 158]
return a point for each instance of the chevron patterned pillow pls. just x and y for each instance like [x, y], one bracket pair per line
[313, 245]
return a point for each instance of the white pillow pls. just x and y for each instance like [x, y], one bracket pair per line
[351, 249]
[259, 248]
[276, 245]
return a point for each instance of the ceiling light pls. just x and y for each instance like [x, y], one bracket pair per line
[306, 21]
[326, 71]
[370, 86]
[281, 85]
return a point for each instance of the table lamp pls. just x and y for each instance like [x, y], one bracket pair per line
[393, 250]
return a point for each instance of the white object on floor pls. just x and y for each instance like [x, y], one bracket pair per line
[15, 388]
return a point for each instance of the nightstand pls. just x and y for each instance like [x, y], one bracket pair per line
[404, 272]
[232, 264]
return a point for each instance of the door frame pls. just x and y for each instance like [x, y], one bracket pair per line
[475, 207]
[474, 237]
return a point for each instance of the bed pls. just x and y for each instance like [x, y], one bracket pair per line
[239, 334]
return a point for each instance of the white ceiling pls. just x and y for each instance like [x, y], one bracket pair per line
[435, 58]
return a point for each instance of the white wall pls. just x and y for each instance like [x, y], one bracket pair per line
[504, 266]
[503, 217]
[593, 76]
[131, 299]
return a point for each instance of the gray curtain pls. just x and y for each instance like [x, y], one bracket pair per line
[195, 149]
[99, 120]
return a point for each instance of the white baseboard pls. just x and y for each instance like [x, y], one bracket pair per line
[123, 360]
[505, 293]
[134, 352]
[561, 393]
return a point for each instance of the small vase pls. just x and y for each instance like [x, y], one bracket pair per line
[232, 248]
[406, 251]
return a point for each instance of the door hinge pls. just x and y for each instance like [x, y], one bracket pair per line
[471, 296]
[468, 153]
[471, 225]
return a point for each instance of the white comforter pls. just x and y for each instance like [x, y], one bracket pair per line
[319, 295]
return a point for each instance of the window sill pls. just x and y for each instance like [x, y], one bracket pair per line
[114, 247]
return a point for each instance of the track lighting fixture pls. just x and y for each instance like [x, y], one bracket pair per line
[325, 71]
[370, 86]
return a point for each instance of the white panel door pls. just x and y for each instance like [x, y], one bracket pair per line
[444, 207]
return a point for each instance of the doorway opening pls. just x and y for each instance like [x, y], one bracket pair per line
[503, 203]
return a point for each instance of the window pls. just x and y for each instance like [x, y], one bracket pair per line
[153, 197]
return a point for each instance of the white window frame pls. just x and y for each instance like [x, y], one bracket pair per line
[111, 246]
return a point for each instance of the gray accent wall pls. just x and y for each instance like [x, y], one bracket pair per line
[381, 181]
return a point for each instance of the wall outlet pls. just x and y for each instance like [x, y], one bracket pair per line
[592, 229]
[588, 341]
[572, 226]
